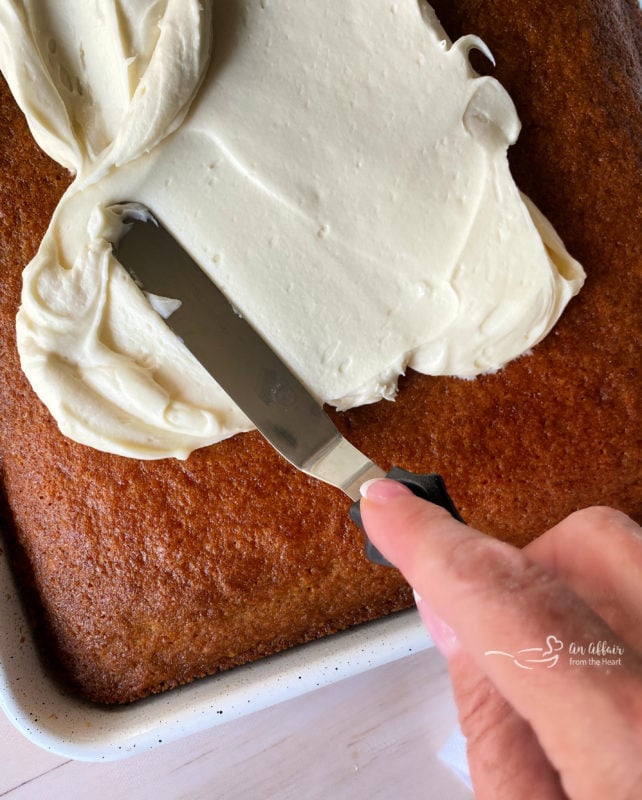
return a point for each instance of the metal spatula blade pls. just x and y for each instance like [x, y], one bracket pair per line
[248, 370]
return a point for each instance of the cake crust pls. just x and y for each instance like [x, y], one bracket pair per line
[150, 574]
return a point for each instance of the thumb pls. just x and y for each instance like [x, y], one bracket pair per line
[397, 522]
[503, 750]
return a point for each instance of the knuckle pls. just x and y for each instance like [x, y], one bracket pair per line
[587, 530]
[596, 518]
[487, 565]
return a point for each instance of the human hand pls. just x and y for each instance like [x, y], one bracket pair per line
[536, 726]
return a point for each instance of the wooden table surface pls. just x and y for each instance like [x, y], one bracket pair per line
[375, 735]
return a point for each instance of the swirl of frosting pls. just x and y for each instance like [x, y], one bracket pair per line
[337, 168]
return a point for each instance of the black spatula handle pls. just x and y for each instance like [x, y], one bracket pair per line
[429, 487]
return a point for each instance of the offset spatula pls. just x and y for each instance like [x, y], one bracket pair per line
[248, 370]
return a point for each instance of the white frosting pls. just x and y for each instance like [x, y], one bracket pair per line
[341, 175]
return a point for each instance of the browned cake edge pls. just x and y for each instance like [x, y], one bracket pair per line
[151, 574]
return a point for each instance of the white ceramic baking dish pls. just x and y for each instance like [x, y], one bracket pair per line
[61, 723]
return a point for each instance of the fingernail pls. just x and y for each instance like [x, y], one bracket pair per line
[442, 634]
[380, 490]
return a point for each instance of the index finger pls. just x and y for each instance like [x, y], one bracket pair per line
[511, 614]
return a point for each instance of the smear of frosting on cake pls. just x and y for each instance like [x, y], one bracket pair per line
[337, 168]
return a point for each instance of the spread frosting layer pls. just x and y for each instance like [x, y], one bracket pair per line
[337, 168]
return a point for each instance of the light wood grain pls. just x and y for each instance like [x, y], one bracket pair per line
[372, 736]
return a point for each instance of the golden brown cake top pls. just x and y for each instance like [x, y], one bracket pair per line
[150, 574]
